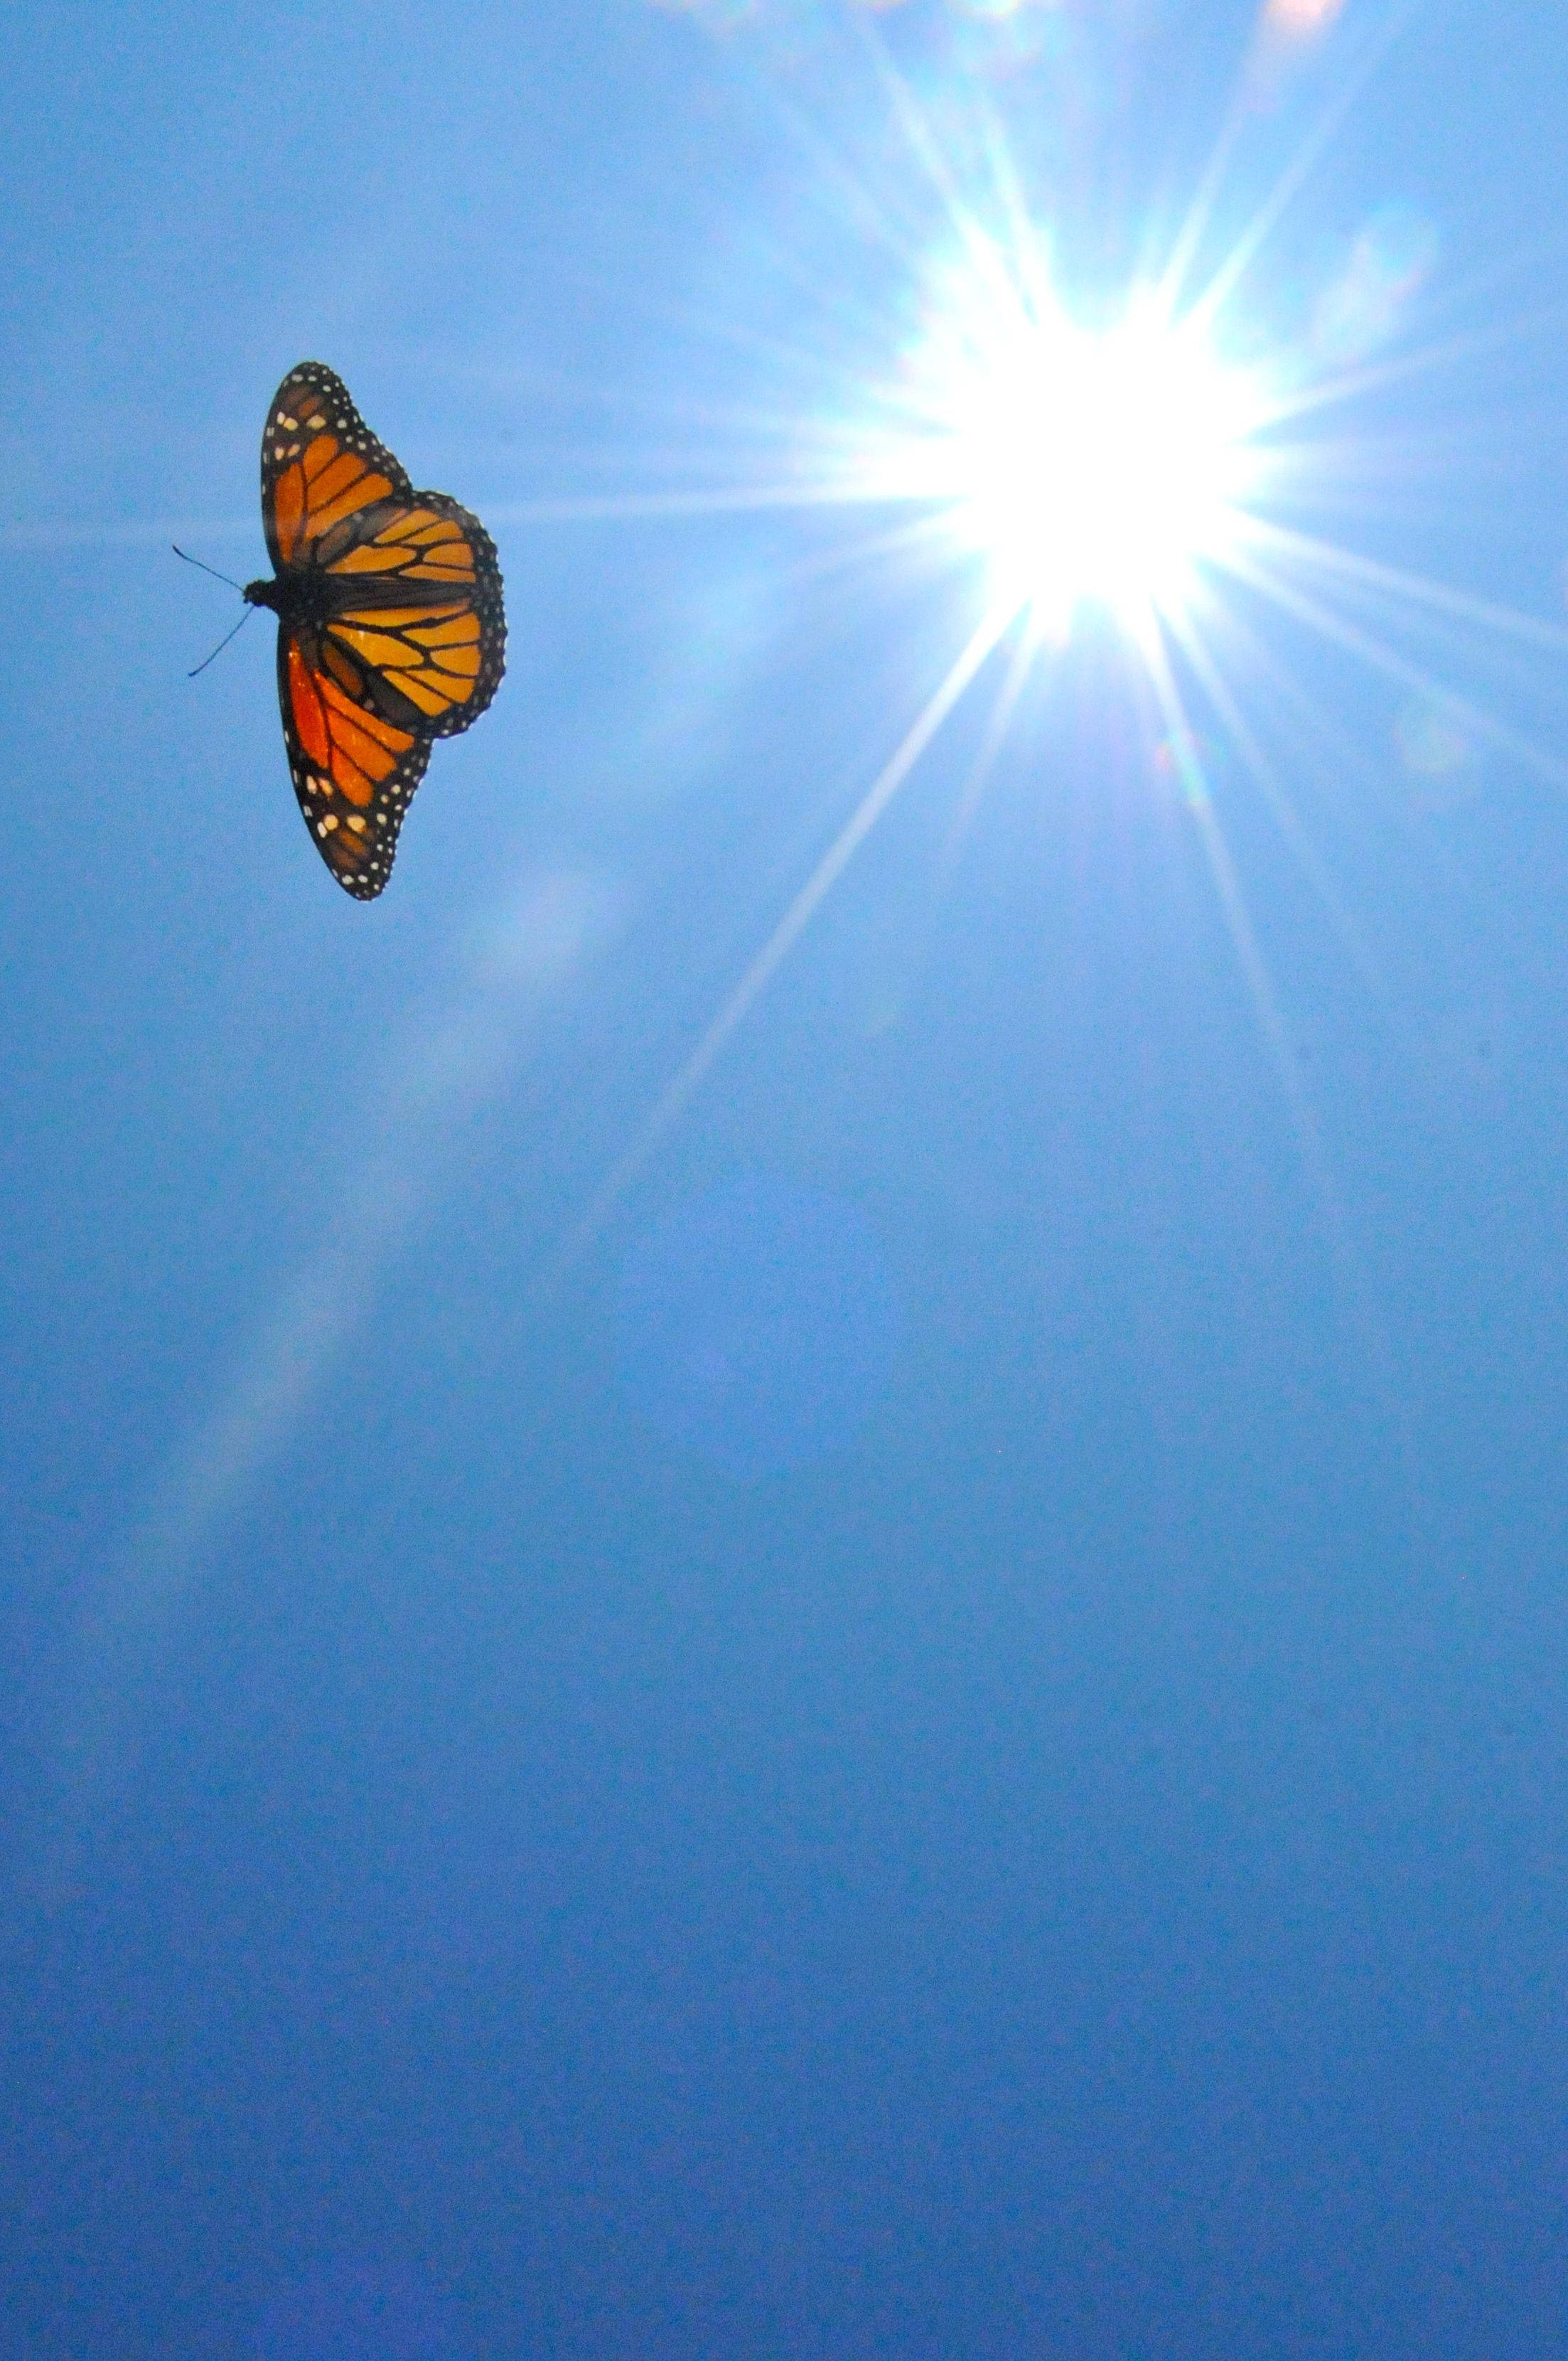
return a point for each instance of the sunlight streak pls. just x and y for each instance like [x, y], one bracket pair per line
[966, 807]
[1267, 219]
[1238, 920]
[1455, 606]
[1375, 652]
[680, 1091]
[449, 1065]
[1355, 1300]
[1267, 778]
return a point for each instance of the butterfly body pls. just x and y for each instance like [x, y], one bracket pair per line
[391, 630]
[302, 601]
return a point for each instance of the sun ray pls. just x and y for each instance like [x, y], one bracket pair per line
[733, 500]
[678, 1093]
[1455, 606]
[923, 143]
[1238, 922]
[1021, 666]
[1381, 658]
[1184, 742]
[1267, 778]
[1291, 182]
[1355, 1299]
[1410, 364]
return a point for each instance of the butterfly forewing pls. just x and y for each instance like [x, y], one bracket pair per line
[392, 631]
[316, 453]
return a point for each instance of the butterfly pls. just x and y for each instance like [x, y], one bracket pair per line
[390, 628]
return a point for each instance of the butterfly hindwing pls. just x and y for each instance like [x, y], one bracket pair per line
[354, 772]
[417, 600]
[391, 624]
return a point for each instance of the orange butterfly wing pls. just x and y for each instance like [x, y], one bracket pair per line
[391, 626]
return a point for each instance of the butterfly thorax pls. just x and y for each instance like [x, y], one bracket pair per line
[301, 596]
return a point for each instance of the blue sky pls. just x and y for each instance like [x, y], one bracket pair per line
[785, 1566]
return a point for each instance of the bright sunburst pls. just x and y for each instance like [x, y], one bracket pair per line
[1082, 466]
[1053, 464]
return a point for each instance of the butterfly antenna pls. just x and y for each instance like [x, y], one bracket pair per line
[202, 562]
[223, 642]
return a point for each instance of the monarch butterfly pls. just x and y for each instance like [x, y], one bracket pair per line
[390, 628]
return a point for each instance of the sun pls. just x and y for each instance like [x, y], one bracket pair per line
[1084, 467]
